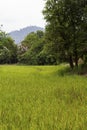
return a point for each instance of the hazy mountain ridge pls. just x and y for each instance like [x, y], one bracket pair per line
[19, 35]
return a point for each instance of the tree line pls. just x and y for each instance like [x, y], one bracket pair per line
[63, 40]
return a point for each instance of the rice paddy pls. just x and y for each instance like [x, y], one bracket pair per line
[39, 98]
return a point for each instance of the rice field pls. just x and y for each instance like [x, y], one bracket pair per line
[39, 98]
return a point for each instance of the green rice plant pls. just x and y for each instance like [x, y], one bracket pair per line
[40, 98]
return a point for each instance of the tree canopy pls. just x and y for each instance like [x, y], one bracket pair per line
[8, 49]
[67, 27]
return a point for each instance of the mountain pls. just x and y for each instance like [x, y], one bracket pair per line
[19, 35]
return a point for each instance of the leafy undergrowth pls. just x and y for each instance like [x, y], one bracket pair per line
[42, 98]
[81, 70]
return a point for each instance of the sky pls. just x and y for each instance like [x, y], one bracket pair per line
[17, 14]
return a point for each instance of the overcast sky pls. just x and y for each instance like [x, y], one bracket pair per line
[16, 14]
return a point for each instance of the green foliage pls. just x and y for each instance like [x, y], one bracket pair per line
[40, 98]
[30, 39]
[4, 55]
[37, 52]
[8, 50]
[66, 28]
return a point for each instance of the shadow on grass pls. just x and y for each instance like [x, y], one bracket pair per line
[80, 70]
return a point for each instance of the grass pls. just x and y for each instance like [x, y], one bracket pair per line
[42, 98]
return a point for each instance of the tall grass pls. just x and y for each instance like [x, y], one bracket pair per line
[40, 98]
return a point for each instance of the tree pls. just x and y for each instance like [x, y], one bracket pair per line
[34, 43]
[66, 27]
[4, 55]
[29, 40]
[8, 50]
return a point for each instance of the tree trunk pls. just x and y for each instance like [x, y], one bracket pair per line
[76, 58]
[71, 62]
